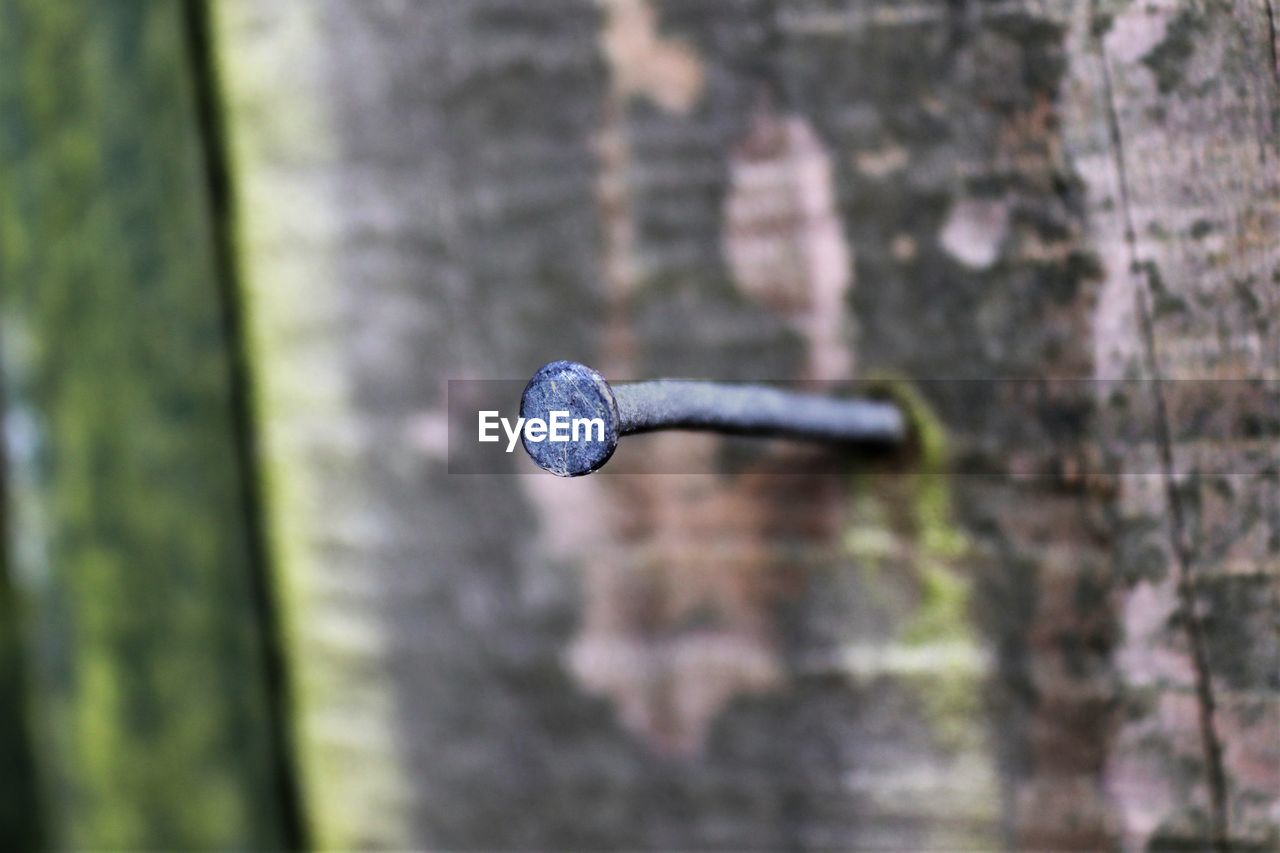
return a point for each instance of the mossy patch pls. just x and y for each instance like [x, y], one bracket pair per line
[906, 524]
[1168, 60]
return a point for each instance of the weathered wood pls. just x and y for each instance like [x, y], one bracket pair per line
[132, 558]
[934, 190]
[1179, 149]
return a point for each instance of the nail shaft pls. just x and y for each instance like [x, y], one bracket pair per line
[754, 410]
[567, 387]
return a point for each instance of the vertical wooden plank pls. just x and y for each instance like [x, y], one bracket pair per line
[420, 195]
[1174, 122]
[271, 63]
[366, 269]
[711, 661]
[391, 235]
[129, 534]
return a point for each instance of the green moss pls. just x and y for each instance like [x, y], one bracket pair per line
[1100, 24]
[286, 295]
[1164, 303]
[928, 458]
[1102, 15]
[905, 518]
[149, 681]
[1168, 59]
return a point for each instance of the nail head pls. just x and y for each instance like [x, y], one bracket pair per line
[567, 386]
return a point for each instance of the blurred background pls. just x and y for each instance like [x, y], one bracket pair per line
[244, 245]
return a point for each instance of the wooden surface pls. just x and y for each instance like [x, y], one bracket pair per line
[977, 190]
[1043, 224]
[129, 535]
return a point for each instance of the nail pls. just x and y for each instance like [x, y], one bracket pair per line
[633, 407]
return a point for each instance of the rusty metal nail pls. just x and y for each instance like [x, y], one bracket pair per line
[634, 407]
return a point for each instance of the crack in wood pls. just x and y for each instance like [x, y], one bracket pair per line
[1270, 8]
[1183, 551]
[247, 444]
